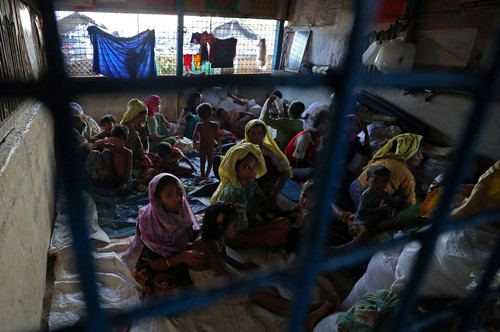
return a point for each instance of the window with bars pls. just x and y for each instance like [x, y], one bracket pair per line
[254, 46]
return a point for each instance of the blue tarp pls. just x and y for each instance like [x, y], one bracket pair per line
[117, 57]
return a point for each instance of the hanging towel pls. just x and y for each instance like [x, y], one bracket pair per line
[117, 57]
[222, 52]
[261, 56]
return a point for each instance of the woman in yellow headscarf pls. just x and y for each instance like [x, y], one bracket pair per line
[138, 140]
[238, 171]
[277, 164]
[400, 154]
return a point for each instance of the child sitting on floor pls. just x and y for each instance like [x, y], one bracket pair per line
[301, 213]
[238, 171]
[169, 158]
[375, 206]
[106, 122]
[205, 132]
[220, 222]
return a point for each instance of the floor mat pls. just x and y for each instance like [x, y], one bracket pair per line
[117, 214]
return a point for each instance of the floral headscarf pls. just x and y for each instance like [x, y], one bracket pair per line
[407, 145]
[268, 142]
[227, 168]
[152, 102]
[163, 232]
[134, 107]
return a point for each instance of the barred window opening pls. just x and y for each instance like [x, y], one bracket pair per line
[254, 47]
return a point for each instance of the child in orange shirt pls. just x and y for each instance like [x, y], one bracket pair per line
[205, 132]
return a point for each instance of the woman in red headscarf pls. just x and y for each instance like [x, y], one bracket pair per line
[159, 127]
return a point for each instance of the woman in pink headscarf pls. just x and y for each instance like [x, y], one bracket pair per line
[356, 158]
[159, 254]
[159, 127]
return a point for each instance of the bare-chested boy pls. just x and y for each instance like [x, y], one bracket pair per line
[206, 131]
[121, 156]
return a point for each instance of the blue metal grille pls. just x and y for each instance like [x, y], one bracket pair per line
[57, 90]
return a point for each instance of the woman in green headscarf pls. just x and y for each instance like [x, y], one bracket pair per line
[400, 154]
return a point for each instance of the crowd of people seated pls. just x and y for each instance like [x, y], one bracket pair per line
[270, 148]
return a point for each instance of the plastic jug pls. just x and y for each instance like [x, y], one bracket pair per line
[371, 53]
[395, 55]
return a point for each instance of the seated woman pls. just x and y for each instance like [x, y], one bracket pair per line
[286, 127]
[159, 127]
[301, 151]
[400, 154]
[353, 166]
[159, 254]
[240, 167]
[138, 141]
[188, 117]
[277, 165]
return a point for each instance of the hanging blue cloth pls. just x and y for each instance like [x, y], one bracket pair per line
[117, 57]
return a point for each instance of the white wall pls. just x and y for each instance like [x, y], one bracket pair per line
[27, 177]
[97, 105]
[447, 115]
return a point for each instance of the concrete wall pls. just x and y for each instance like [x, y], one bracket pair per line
[97, 105]
[27, 176]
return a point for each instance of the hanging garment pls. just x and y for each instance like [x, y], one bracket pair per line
[195, 38]
[261, 56]
[197, 61]
[188, 60]
[204, 53]
[117, 57]
[222, 52]
[206, 38]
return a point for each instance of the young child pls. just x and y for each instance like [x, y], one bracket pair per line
[375, 206]
[240, 167]
[169, 160]
[160, 253]
[114, 164]
[286, 127]
[106, 122]
[205, 132]
[306, 203]
[278, 169]
[220, 222]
